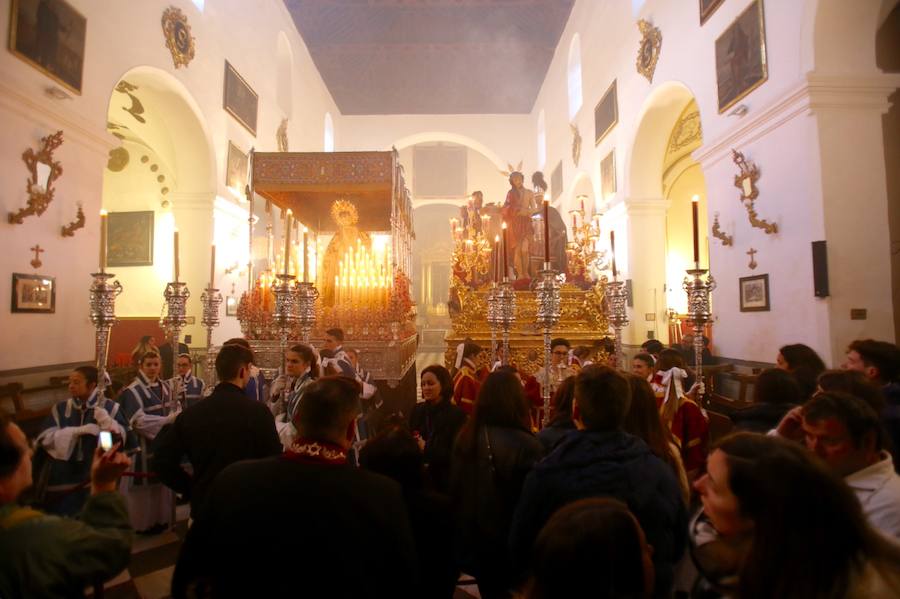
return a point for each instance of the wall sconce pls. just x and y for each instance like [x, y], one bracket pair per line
[43, 172]
[739, 110]
[78, 223]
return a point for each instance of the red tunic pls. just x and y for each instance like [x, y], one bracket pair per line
[690, 429]
[465, 388]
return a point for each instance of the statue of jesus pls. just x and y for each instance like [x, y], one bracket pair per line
[517, 211]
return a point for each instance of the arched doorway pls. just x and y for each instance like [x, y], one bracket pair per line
[661, 179]
[162, 175]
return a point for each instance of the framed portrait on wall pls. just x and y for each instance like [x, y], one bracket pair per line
[236, 169]
[240, 101]
[33, 293]
[231, 305]
[707, 8]
[608, 175]
[606, 113]
[130, 239]
[741, 56]
[50, 36]
[754, 293]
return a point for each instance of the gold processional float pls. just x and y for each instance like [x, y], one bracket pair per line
[345, 263]
[561, 292]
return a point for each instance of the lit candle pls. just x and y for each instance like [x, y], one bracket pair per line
[497, 258]
[212, 268]
[305, 256]
[694, 202]
[505, 261]
[287, 242]
[104, 216]
[574, 222]
[546, 231]
[582, 205]
[176, 255]
[612, 250]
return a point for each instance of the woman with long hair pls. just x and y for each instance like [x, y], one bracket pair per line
[679, 412]
[775, 393]
[643, 421]
[494, 452]
[300, 369]
[782, 525]
[804, 363]
[435, 423]
[146, 344]
[561, 421]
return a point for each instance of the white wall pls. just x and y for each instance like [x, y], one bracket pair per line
[120, 37]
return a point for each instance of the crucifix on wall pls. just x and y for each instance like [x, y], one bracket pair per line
[36, 263]
[752, 253]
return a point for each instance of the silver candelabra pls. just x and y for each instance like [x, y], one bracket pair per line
[493, 320]
[176, 296]
[211, 299]
[548, 312]
[103, 314]
[698, 291]
[506, 316]
[285, 309]
[305, 306]
[618, 315]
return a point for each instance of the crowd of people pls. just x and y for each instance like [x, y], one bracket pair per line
[304, 480]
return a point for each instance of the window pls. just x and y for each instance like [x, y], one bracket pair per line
[328, 145]
[541, 141]
[574, 76]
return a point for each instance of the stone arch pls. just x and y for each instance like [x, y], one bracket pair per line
[436, 136]
[854, 23]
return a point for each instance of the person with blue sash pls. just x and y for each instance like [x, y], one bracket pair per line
[149, 405]
[301, 369]
[69, 437]
[191, 388]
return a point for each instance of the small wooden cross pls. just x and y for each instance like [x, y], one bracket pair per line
[36, 263]
[752, 254]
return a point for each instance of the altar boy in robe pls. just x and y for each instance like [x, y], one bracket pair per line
[191, 387]
[148, 406]
[70, 437]
[466, 378]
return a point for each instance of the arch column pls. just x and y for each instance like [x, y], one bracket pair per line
[640, 226]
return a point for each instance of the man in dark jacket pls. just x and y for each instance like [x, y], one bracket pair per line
[222, 429]
[600, 460]
[271, 526]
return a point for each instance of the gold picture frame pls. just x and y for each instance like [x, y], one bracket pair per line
[606, 113]
[179, 40]
[236, 169]
[33, 293]
[707, 8]
[239, 100]
[741, 64]
[51, 38]
[608, 175]
[648, 49]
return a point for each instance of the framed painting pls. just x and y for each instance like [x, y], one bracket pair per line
[707, 8]
[236, 170]
[240, 101]
[231, 305]
[754, 293]
[606, 113]
[608, 176]
[741, 57]
[130, 239]
[33, 293]
[50, 36]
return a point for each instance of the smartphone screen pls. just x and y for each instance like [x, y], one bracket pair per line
[106, 441]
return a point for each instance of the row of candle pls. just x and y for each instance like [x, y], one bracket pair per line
[363, 277]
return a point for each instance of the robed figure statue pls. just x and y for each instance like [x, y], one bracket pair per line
[517, 211]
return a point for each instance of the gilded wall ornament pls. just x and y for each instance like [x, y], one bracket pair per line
[718, 233]
[687, 131]
[752, 253]
[137, 108]
[576, 143]
[78, 223]
[179, 40]
[118, 159]
[745, 181]
[281, 136]
[648, 51]
[43, 172]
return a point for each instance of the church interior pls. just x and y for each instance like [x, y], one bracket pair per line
[551, 188]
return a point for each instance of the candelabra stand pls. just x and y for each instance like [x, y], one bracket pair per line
[305, 305]
[506, 315]
[210, 299]
[103, 314]
[548, 312]
[618, 316]
[285, 315]
[493, 320]
[176, 296]
[698, 291]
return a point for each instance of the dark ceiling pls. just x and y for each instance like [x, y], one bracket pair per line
[431, 56]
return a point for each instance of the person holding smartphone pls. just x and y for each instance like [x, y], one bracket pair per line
[52, 556]
[68, 440]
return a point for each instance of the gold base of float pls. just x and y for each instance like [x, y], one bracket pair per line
[583, 321]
